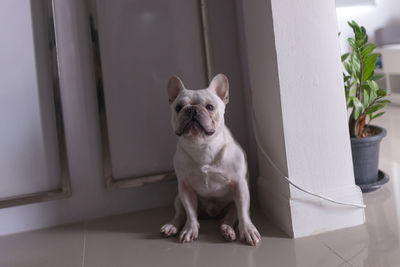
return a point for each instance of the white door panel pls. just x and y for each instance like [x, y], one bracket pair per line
[29, 159]
[143, 43]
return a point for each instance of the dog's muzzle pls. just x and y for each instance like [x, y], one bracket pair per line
[192, 118]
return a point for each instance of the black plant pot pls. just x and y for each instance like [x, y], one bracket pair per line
[365, 153]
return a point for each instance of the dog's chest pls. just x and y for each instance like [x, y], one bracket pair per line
[209, 181]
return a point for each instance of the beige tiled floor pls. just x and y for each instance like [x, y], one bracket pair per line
[133, 239]
[376, 243]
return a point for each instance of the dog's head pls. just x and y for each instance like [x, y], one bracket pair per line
[198, 114]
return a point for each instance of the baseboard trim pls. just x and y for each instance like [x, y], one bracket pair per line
[307, 215]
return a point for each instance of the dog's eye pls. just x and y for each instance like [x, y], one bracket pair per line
[178, 108]
[210, 107]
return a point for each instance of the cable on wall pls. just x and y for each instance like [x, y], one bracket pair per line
[255, 127]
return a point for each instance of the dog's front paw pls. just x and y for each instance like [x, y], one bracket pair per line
[189, 233]
[249, 234]
[227, 232]
[169, 230]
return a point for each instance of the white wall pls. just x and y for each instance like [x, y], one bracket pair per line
[312, 96]
[300, 107]
[260, 54]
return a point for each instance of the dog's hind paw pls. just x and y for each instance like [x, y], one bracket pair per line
[227, 232]
[168, 230]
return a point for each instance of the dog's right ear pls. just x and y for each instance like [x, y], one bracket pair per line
[175, 86]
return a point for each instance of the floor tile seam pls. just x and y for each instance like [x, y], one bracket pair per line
[84, 243]
[334, 251]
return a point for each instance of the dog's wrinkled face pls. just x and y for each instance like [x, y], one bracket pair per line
[198, 113]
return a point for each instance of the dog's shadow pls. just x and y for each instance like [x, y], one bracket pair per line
[146, 225]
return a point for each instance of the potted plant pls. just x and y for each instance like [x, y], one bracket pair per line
[365, 101]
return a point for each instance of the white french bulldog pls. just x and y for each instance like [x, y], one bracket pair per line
[210, 165]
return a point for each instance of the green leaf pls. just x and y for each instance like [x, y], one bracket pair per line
[367, 50]
[377, 77]
[352, 24]
[381, 92]
[347, 68]
[365, 98]
[353, 90]
[373, 85]
[364, 34]
[360, 43]
[356, 77]
[356, 29]
[345, 56]
[369, 66]
[352, 43]
[372, 96]
[368, 72]
[377, 115]
[365, 86]
[358, 107]
[370, 117]
[355, 66]
[347, 99]
[384, 101]
[374, 108]
[354, 58]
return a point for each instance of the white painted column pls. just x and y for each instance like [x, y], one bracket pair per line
[296, 78]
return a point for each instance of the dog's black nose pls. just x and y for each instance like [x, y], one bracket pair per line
[191, 111]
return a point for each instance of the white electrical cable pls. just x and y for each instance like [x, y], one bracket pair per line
[255, 125]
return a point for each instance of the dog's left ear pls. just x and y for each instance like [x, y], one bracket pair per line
[175, 86]
[220, 85]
